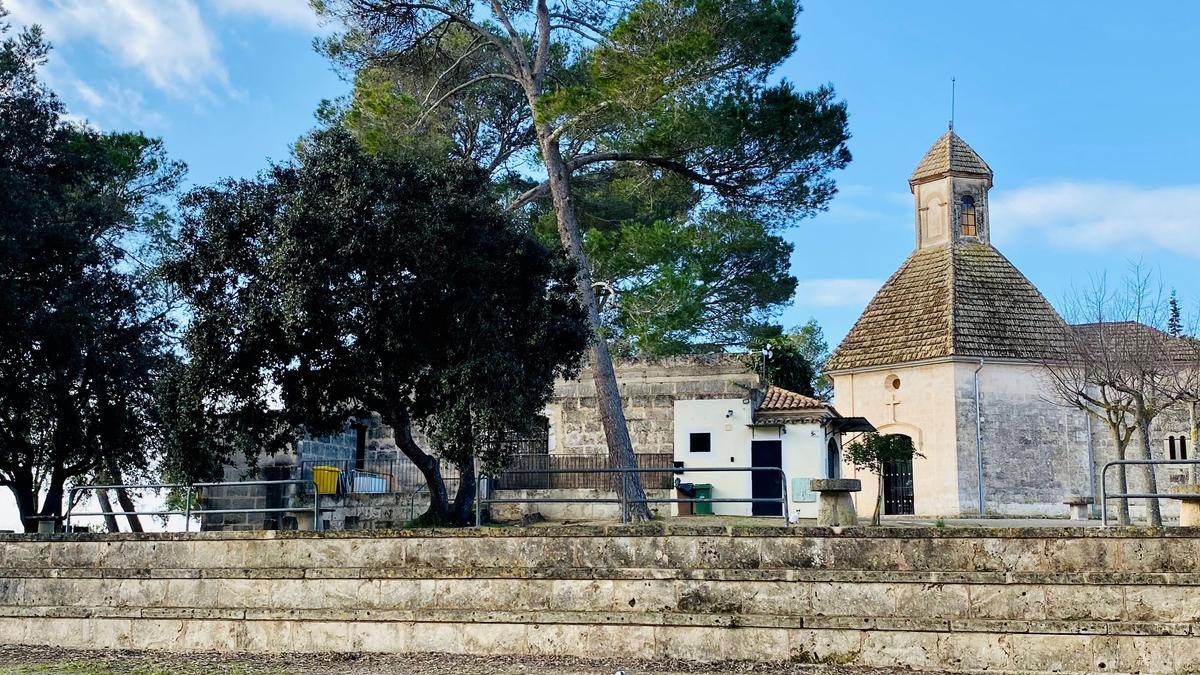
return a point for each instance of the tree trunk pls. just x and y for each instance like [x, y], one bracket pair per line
[25, 494]
[52, 506]
[123, 498]
[877, 517]
[1194, 428]
[1122, 487]
[608, 395]
[1152, 506]
[463, 510]
[439, 512]
[110, 521]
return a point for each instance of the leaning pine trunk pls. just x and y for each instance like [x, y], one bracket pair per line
[608, 396]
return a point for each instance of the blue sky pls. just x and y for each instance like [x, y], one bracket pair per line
[1084, 110]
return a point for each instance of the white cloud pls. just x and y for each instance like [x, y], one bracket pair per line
[1116, 217]
[836, 292]
[166, 40]
[287, 13]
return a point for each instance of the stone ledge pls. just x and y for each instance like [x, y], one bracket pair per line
[540, 618]
[1138, 579]
[657, 529]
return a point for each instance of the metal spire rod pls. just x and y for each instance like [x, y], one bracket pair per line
[952, 104]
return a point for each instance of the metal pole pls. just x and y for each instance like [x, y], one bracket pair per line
[624, 496]
[1104, 496]
[187, 509]
[316, 507]
[478, 491]
[70, 504]
[480, 482]
[787, 517]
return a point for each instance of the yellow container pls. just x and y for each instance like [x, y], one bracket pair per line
[326, 478]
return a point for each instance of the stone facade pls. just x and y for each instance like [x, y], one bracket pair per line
[649, 389]
[1027, 600]
[948, 353]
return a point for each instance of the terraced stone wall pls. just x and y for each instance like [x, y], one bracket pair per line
[1064, 600]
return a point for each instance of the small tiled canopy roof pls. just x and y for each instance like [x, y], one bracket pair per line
[962, 299]
[778, 399]
[950, 155]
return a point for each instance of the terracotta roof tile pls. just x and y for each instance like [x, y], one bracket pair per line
[778, 399]
[964, 299]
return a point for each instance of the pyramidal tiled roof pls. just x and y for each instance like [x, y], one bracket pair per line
[962, 299]
[950, 154]
[778, 399]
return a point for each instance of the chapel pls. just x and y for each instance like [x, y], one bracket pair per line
[947, 353]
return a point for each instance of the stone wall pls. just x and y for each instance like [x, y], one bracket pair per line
[1062, 600]
[649, 389]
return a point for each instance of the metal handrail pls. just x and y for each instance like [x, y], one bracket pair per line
[625, 502]
[1104, 494]
[188, 511]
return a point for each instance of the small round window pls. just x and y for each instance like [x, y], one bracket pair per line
[892, 382]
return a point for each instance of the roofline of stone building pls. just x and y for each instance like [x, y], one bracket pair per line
[953, 358]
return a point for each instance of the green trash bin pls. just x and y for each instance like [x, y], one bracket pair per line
[703, 491]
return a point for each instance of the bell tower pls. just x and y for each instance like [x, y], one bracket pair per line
[950, 194]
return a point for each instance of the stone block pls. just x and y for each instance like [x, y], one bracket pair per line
[1084, 602]
[899, 649]
[942, 601]
[1009, 602]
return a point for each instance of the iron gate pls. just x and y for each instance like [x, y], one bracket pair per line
[898, 488]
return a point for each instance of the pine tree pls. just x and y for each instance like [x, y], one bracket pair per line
[1174, 323]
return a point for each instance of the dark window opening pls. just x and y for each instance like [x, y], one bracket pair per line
[700, 442]
[966, 218]
[1177, 447]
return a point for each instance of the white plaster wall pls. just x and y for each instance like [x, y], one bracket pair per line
[731, 438]
[925, 412]
[804, 459]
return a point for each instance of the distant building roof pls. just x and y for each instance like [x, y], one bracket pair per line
[950, 154]
[778, 399]
[961, 299]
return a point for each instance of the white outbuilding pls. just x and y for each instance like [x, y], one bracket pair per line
[777, 428]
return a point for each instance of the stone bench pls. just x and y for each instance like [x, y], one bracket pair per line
[1189, 509]
[1079, 506]
[835, 508]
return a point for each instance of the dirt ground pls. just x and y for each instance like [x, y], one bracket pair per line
[45, 661]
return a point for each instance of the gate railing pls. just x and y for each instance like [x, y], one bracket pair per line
[486, 483]
[1104, 493]
[187, 512]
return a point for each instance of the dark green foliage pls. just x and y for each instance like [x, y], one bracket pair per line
[872, 451]
[81, 221]
[341, 284]
[686, 159]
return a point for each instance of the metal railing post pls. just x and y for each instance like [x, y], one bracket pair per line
[1104, 496]
[70, 503]
[316, 507]
[187, 509]
[480, 481]
[624, 495]
[787, 517]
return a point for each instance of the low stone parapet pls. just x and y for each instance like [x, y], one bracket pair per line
[1052, 599]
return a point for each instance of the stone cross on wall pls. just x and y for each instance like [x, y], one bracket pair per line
[891, 403]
